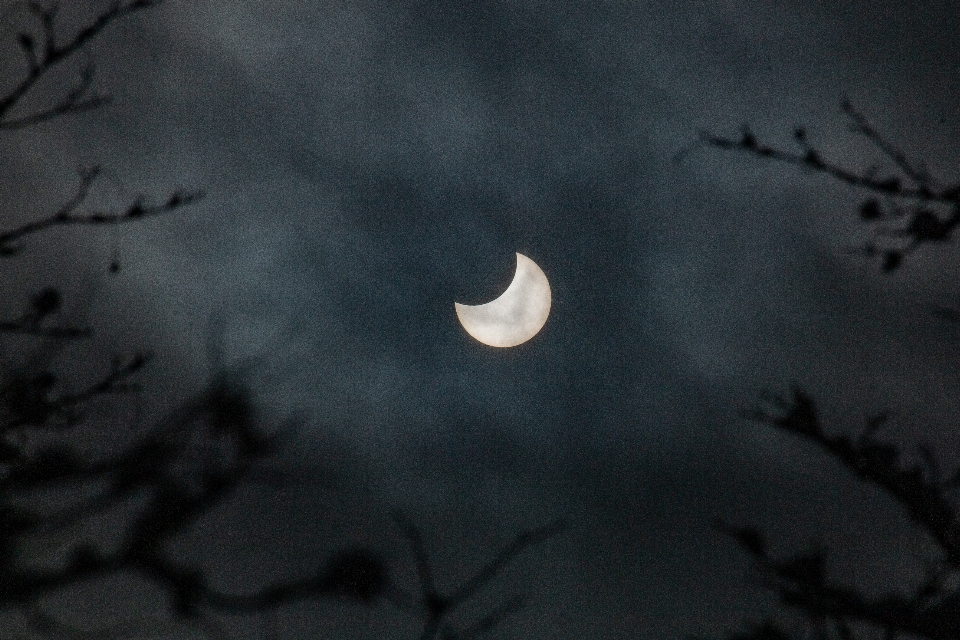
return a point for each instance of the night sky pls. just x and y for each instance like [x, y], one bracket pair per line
[367, 163]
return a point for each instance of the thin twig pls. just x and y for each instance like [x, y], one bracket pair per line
[436, 607]
[66, 215]
[861, 125]
[511, 551]
[424, 571]
[41, 60]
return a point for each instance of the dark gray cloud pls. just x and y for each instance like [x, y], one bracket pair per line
[369, 163]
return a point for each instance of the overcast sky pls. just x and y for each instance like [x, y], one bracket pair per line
[367, 163]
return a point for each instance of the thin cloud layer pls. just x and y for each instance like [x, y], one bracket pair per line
[369, 163]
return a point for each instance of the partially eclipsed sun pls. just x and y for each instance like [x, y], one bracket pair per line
[517, 315]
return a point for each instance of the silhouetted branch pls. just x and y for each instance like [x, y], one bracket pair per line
[357, 574]
[76, 100]
[861, 125]
[436, 607]
[422, 561]
[919, 492]
[177, 486]
[44, 332]
[811, 158]
[43, 54]
[502, 559]
[66, 215]
[933, 609]
[27, 401]
[919, 223]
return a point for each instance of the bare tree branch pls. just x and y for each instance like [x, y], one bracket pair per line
[26, 401]
[45, 332]
[810, 158]
[66, 215]
[422, 561]
[878, 463]
[45, 55]
[492, 569]
[76, 100]
[933, 610]
[919, 223]
[437, 607]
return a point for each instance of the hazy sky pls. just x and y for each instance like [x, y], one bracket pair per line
[367, 163]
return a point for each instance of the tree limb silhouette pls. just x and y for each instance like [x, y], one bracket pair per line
[66, 215]
[435, 607]
[932, 610]
[43, 53]
[908, 205]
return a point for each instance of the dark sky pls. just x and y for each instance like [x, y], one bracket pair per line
[369, 163]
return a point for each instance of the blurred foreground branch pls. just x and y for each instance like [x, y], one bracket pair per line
[931, 609]
[435, 607]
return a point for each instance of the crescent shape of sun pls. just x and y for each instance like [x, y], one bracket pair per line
[517, 315]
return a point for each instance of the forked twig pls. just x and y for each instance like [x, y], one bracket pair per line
[437, 607]
[44, 54]
[66, 215]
